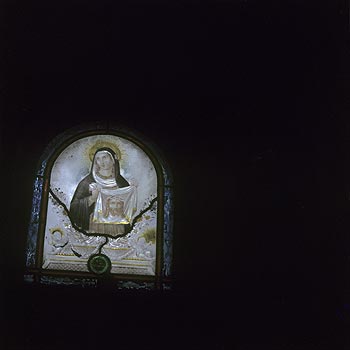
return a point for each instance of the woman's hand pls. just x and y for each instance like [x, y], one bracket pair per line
[94, 189]
[94, 194]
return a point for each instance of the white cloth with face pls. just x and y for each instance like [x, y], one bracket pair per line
[115, 205]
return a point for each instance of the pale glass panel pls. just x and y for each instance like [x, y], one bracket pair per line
[66, 248]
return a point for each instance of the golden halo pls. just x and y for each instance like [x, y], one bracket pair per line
[101, 144]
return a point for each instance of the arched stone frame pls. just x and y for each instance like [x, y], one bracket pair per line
[34, 252]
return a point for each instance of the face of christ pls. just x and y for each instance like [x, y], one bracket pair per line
[115, 207]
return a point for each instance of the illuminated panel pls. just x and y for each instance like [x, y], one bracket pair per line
[102, 209]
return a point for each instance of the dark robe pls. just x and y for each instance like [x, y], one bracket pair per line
[79, 207]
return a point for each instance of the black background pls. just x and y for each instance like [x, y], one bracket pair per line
[249, 101]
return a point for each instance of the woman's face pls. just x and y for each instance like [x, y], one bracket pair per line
[104, 160]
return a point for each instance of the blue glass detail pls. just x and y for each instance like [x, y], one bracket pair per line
[168, 228]
[168, 180]
[34, 223]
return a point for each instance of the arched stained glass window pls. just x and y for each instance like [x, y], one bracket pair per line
[102, 209]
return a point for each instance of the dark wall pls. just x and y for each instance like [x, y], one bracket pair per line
[249, 102]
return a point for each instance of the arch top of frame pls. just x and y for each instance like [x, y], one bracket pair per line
[106, 128]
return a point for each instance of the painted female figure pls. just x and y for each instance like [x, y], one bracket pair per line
[104, 202]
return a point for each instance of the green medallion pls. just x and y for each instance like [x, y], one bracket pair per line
[99, 264]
